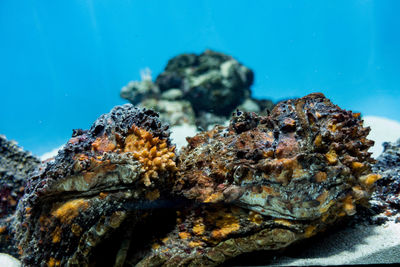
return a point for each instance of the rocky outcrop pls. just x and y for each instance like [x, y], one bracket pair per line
[99, 186]
[265, 182]
[203, 89]
[15, 167]
[117, 194]
[386, 198]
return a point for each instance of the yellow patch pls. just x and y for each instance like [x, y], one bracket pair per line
[348, 205]
[198, 228]
[194, 244]
[53, 262]
[331, 157]
[184, 235]
[226, 225]
[318, 140]
[325, 208]
[68, 211]
[356, 165]
[309, 231]
[255, 217]
[103, 144]
[283, 222]
[56, 235]
[332, 127]
[213, 198]
[370, 179]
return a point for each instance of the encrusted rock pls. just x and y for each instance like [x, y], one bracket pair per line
[261, 183]
[95, 191]
[265, 182]
[15, 166]
[208, 87]
[386, 198]
[136, 91]
[211, 81]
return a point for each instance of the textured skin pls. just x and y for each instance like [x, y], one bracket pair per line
[261, 183]
[387, 195]
[94, 189]
[265, 182]
[15, 165]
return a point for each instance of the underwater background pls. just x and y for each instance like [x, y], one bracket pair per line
[63, 63]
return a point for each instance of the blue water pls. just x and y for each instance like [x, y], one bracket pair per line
[62, 63]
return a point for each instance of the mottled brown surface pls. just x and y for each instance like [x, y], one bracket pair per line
[16, 165]
[94, 190]
[116, 194]
[265, 182]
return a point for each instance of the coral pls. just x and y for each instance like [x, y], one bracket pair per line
[15, 165]
[386, 198]
[87, 194]
[265, 182]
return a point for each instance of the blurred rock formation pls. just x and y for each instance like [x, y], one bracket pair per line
[202, 90]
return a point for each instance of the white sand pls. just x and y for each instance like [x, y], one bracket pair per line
[360, 245]
[51, 153]
[179, 134]
[8, 261]
[382, 130]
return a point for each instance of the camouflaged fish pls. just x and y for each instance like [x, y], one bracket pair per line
[265, 182]
[95, 190]
[261, 183]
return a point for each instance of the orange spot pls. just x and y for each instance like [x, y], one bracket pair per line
[103, 144]
[226, 225]
[320, 177]
[56, 235]
[103, 195]
[53, 262]
[2, 229]
[370, 179]
[199, 228]
[331, 157]
[214, 197]
[255, 217]
[283, 222]
[318, 140]
[348, 206]
[356, 165]
[68, 211]
[309, 231]
[184, 235]
[194, 244]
